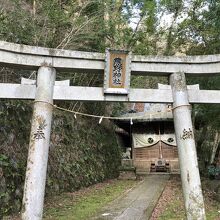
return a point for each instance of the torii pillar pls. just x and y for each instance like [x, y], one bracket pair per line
[191, 184]
[34, 188]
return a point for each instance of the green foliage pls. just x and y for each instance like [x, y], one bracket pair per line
[10, 191]
[51, 23]
[81, 153]
[14, 135]
[147, 82]
[171, 6]
[213, 171]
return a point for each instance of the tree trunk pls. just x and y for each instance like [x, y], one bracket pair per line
[34, 8]
[215, 146]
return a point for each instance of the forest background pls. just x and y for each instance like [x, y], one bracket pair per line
[82, 152]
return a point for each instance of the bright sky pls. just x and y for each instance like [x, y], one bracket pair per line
[166, 19]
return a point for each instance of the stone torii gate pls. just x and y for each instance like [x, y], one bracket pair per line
[45, 90]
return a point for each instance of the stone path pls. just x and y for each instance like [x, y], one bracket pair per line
[138, 203]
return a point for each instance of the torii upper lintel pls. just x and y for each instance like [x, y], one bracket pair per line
[32, 57]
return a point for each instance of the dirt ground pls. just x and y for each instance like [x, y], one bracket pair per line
[170, 206]
[167, 196]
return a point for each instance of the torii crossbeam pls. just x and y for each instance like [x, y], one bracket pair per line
[46, 61]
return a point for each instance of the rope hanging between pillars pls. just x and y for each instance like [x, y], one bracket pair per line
[180, 106]
[101, 117]
[35, 101]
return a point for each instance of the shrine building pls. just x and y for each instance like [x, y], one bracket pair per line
[148, 139]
